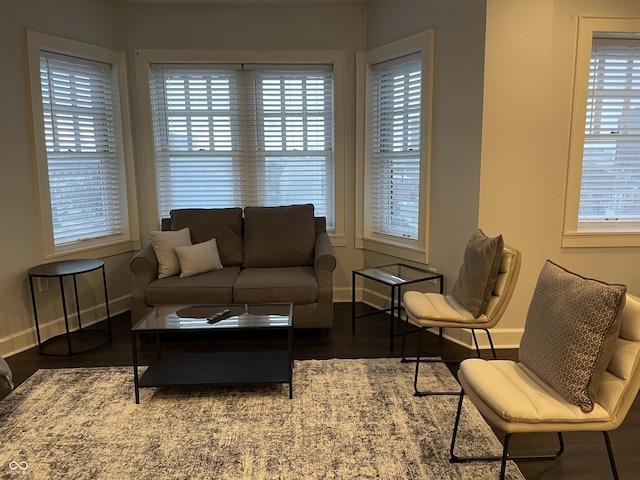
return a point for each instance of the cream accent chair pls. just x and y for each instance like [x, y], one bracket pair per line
[515, 400]
[434, 310]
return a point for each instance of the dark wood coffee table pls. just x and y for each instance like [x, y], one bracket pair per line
[228, 367]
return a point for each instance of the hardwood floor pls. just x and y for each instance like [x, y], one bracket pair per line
[585, 454]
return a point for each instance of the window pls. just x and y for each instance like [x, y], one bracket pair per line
[393, 193]
[80, 158]
[603, 194]
[395, 161]
[238, 134]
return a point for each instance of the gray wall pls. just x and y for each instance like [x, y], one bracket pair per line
[502, 103]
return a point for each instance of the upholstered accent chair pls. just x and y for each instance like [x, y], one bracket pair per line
[478, 300]
[578, 367]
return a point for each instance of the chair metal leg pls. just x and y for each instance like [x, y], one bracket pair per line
[493, 350]
[475, 341]
[453, 458]
[612, 461]
[419, 393]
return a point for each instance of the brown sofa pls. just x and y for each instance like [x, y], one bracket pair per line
[268, 254]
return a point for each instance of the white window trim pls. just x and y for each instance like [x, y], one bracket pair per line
[423, 43]
[126, 242]
[146, 57]
[572, 236]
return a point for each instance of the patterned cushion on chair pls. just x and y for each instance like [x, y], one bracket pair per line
[478, 272]
[571, 328]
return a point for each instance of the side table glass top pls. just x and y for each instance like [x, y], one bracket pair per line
[397, 274]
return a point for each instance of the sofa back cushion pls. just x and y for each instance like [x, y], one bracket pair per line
[279, 236]
[223, 224]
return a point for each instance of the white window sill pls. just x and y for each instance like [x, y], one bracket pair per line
[601, 239]
[398, 250]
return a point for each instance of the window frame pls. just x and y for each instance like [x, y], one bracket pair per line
[146, 57]
[101, 246]
[573, 235]
[418, 250]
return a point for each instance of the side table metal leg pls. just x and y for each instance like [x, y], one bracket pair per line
[290, 347]
[393, 317]
[353, 302]
[35, 310]
[66, 315]
[106, 301]
[75, 291]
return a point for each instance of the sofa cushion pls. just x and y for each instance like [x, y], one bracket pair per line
[164, 245]
[198, 258]
[478, 272]
[571, 328]
[279, 236]
[287, 284]
[211, 287]
[223, 224]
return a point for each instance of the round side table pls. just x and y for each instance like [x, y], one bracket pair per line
[89, 339]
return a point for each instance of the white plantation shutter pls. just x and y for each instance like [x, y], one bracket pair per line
[394, 132]
[82, 145]
[610, 188]
[229, 136]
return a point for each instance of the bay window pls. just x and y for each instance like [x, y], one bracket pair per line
[232, 134]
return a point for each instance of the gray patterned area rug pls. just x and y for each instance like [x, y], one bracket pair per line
[348, 419]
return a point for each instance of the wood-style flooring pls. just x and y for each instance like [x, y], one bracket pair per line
[585, 454]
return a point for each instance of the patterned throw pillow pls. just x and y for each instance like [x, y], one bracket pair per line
[478, 272]
[572, 325]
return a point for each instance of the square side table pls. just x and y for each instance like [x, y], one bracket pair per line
[395, 276]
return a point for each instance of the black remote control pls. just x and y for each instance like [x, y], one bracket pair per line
[218, 316]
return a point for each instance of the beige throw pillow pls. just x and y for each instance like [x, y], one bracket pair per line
[199, 258]
[572, 325]
[164, 244]
[478, 273]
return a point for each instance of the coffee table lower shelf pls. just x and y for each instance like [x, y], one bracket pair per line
[219, 368]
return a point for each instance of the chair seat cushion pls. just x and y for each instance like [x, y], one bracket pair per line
[517, 395]
[427, 309]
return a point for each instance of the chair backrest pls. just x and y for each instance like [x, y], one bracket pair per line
[621, 381]
[504, 287]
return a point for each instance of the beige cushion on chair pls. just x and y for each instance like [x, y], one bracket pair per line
[517, 395]
[436, 310]
[434, 306]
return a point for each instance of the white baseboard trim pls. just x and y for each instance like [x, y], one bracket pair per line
[502, 337]
[26, 339]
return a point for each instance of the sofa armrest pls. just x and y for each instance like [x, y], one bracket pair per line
[325, 256]
[144, 266]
